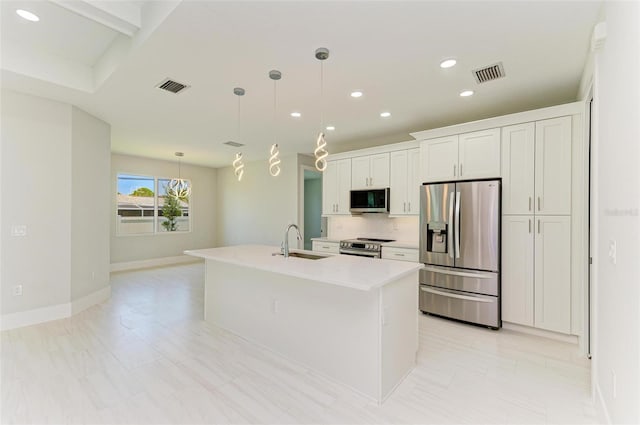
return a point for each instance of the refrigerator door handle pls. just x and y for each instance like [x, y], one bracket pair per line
[457, 225]
[450, 230]
[466, 273]
[457, 296]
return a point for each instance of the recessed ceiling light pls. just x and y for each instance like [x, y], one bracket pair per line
[296, 114]
[466, 93]
[330, 128]
[385, 114]
[447, 63]
[356, 94]
[25, 14]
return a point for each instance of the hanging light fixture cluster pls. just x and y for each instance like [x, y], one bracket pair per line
[179, 188]
[320, 152]
[238, 166]
[274, 159]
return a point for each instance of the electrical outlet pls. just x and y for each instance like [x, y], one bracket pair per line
[17, 291]
[93, 275]
[613, 251]
[614, 384]
[275, 306]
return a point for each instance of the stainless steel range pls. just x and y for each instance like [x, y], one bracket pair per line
[363, 247]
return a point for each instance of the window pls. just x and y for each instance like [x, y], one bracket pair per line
[145, 208]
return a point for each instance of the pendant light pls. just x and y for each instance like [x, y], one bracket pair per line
[320, 152]
[274, 158]
[179, 188]
[238, 166]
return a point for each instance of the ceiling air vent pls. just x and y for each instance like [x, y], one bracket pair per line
[489, 73]
[172, 86]
[234, 144]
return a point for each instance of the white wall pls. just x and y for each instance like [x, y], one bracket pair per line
[257, 209]
[36, 189]
[203, 212]
[90, 203]
[617, 109]
[55, 177]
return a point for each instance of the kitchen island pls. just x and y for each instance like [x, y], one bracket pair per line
[353, 319]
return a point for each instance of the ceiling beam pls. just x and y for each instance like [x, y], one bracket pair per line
[121, 16]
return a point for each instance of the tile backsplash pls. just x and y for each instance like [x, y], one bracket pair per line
[403, 229]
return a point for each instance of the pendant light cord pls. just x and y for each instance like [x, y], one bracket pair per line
[275, 109]
[238, 122]
[322, 96]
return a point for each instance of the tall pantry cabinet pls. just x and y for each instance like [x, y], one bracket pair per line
[536, 231]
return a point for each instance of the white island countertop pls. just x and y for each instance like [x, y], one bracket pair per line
[342, 270]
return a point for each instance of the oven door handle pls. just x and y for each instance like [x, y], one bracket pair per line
[359, 253]
[457, 296]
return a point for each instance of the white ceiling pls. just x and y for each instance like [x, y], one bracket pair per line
[389, 50]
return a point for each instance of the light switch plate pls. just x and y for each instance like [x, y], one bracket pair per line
[19, 230]
[613, 251]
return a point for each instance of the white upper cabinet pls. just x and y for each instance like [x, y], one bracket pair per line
[461, 157]
[553, 166]
[479, 154]
[370, 171]
[336, 184]
[439, 159]
[536, 168]
[518, 165]
[405, 182]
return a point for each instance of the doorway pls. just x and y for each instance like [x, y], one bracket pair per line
[312, 206]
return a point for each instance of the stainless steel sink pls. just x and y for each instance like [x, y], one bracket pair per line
[304, 255]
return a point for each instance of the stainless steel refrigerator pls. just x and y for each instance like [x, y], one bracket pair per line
[460, 248]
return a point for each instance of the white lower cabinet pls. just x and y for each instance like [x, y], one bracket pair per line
[326, 246]
[517, 269]
[553, 273]
[536, 271]
[397, 253]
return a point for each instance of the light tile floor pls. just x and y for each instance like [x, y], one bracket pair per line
[147, 357]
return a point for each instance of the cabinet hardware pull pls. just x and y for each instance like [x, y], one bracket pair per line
[538, 203]
[409, 209]
[370, 181]
[398, 254]
[538, 226]
[454, 170]
[529, 203]
[529, 225]
[460, 169]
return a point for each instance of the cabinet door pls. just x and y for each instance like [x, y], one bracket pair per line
[379, 170]
[330, 188]
[479, 154]
[439, 159]
[360, 172]
[518, 150]
[343, 186]
[517, 269]
[398, 183]
[553, 273]
[326, 246]
[553, 166]
[413, 181]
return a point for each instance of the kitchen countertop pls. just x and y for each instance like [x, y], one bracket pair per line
[348, 271]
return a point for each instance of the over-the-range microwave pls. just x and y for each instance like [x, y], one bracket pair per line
[369, 201]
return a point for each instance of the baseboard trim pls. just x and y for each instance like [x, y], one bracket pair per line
[90, 300]
[601, 407]
[35, 316]
[153, 262]
[571, 339]
[53, 312]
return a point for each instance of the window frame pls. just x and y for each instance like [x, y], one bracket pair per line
[156, 206]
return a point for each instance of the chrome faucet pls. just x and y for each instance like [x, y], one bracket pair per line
[285, 244]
